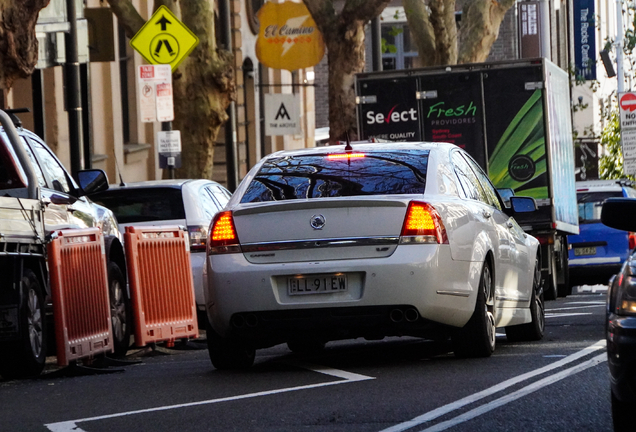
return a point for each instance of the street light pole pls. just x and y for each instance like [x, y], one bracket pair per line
[72, 79]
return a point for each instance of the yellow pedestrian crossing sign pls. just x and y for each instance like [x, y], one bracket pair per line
[164, 39]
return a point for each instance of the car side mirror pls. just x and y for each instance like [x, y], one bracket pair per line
[619, 213]
[521, 204]
[92, 181]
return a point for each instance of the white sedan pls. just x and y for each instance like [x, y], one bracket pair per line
[369, 240]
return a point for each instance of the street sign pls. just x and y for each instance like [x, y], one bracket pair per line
[155, 93]
[169, 149]
[282, 114]
[627, 111]
[164, 39]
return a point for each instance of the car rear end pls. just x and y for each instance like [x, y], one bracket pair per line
[598, 251]
[334, 246]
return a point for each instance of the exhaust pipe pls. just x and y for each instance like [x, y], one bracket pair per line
[251, 320]
[238, 321]
[396, 315]
[411, 315]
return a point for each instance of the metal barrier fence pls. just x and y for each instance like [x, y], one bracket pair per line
[161, 286]
[79, 288]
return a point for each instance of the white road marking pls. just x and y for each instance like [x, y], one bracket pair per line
[71, 425]
[596, 302]
[558, 315]
[517, 394]
[575, 307]
[443, 410]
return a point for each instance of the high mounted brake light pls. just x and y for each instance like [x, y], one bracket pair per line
[345, 156]
[423, 224]
[223, 238]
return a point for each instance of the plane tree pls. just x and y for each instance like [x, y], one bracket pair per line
[203, 84]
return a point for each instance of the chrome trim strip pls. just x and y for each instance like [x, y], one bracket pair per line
[319, 243]
[453, 293]
[514, 299]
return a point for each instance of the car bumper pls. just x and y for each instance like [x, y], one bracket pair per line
[621, 356]
[197, 261]
[252, 300]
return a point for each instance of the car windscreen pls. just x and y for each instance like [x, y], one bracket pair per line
[339, 175]
[142, 205]
[591, 203]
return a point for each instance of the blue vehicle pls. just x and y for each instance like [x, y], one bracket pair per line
[598, 251]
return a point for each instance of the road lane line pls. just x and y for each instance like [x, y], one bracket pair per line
[517, 394]
[560, 315]
[575, 307]
[71, 425]
[443, 410]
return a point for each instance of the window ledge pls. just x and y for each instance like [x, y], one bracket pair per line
[136, 152]
[134, 148]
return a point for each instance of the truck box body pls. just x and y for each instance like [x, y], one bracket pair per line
[512, 117]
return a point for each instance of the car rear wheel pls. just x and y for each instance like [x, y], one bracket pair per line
[533, 330]
[477, 337]
[228, 354]
[120, 310]
[621, 415]
[26, 357]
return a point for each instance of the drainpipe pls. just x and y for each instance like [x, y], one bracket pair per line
[544, 13]
[72, 80]
[620, 75]
[230, 125]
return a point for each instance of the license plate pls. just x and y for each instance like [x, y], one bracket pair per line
[317, 284]
[585, 251]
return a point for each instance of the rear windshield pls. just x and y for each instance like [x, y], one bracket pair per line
[591, 204]
[143, 205]
[322, 176]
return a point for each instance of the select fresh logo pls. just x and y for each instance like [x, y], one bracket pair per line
[393, 116]
[521, 168]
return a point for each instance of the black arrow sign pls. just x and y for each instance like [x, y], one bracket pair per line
[164, 22]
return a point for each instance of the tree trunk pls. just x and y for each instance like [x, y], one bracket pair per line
[480, 27]
[203, 83]
[18, 42]
[434, 32]
[344, 37]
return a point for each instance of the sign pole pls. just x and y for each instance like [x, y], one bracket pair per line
[166, 127]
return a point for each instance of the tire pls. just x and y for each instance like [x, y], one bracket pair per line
[532, 331]
[564, 289]
[621, 415]
[306, 346]
[120, 310]
[26, 357]
[226, 354]
[477, 337]
[551, 284]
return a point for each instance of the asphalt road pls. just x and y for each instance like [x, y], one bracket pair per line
[398, 384]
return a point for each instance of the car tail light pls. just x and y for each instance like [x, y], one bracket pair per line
[423, 224]
[632, 240]
[223, 238]
[198, 237]
[336, 156]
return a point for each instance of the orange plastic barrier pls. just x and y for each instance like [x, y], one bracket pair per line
[161, 286]
[79, 288]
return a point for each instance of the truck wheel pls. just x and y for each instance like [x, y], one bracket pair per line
[477, 337]
[532, 331]
[120, 310]
[26, 357]
[551, 283]
[564, 289]
[228, 354]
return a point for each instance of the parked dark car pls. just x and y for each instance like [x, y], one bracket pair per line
[621, 319]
